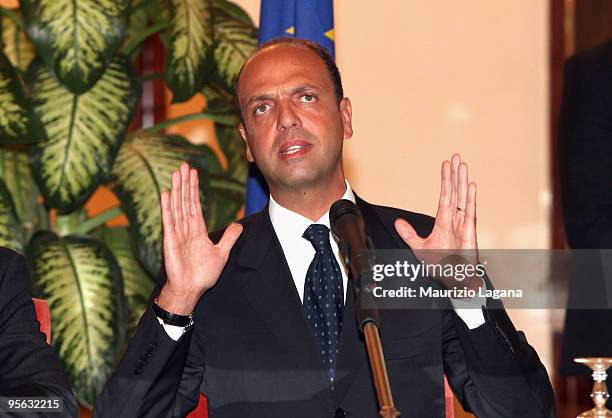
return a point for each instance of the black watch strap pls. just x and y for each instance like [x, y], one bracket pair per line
[170, 318]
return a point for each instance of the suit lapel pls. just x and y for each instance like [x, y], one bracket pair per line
[271, 292]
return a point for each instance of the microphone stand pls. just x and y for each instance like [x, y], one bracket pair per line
[367, 322]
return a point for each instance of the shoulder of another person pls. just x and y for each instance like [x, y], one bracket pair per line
[593, 66]
[8, 260]
[9, 256]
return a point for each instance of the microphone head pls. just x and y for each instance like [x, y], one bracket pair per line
[340, 208]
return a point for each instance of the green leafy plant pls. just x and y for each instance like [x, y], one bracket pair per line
[68, 91]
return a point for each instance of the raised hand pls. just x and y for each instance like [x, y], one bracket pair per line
[454, 230]
[193, 262]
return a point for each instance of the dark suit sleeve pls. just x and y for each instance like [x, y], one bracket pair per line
[193, 373]
[28, 365]
[585, 135]
[492, 369]
[154, 376]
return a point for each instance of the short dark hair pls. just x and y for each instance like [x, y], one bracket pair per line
[328, 61]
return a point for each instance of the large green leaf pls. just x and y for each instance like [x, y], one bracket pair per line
[15, 43]
[137, 283]
[18, 124]
[232, 146]
[191, 39]
[143, 169]
[220, 101]
[234, 11]
[226, 198]
[235, 41]
[81, 281]
[146, 18]
[76, 38]
[84, 132]
[17, 175]
[11, 234]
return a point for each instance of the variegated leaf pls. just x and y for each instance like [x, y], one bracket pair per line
[219, 101]
[144, 15]
[76, 38]
[235, 41]
[84, 132]
[226, 199]
[17, 175]
[191, 38]
[18, 124]
[143, 169]
[81, 281]
[11, 234]
[15, 43]
[234, 10]
[137, 283]
[233, 147]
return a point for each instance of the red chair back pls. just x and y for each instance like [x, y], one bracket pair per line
[449, 400]
[201, 410]
[43, 314]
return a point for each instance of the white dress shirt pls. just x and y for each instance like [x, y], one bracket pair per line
[289, 227]
[299, 252]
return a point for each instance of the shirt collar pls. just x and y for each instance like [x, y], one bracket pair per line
[290, 225]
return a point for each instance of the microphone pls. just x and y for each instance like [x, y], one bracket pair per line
[348, 227]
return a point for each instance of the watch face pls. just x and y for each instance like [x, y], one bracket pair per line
[190, 322]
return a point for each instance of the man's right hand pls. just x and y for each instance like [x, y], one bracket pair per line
[193, 262]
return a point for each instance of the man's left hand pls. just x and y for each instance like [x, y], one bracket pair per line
[454, 231]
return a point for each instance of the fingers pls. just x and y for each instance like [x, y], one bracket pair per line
[462, 186]
[470, 214]
[445, 185]
[185, 192]
[196, 208]
[408, 234]
[455, 162]
[180, 199]
[175, 199]
[194, 193]
[231, 234]
[166, 212]
[184, 202]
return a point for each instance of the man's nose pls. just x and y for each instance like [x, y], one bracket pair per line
[288, 116]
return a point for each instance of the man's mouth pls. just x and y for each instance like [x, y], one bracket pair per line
[294, 149]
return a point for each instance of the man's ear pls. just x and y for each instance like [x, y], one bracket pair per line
[244, 134]
[347, 117]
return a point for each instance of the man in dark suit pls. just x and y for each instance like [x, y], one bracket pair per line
[585, 144]
[29, 367]
[252, 341]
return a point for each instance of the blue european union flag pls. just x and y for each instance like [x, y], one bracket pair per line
[306, 19]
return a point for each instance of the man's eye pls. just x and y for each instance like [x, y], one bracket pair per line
[308, 98]
[260, 109]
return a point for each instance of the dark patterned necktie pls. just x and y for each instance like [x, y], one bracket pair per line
[324, 297]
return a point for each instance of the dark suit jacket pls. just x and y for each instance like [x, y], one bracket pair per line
[585, 135]
[251, 351]
[28, 366]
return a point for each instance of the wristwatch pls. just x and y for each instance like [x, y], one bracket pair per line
[170, 318]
